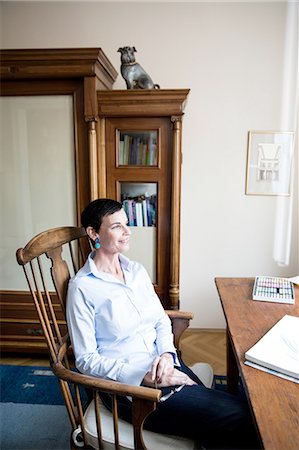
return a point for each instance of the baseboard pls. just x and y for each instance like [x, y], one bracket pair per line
[205, 330]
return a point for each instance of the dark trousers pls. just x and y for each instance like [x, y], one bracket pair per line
[214, 419]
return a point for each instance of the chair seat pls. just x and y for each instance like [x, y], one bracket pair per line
[153, 441]
[204, 372]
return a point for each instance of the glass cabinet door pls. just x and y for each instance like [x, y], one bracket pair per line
[137, 148]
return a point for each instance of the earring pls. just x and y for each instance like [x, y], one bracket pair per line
[97, 244]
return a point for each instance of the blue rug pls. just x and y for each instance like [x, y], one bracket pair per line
[26, 384]
[34, 427]
[32, 411]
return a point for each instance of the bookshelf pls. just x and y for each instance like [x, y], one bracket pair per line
[139, 164]
[140, 203]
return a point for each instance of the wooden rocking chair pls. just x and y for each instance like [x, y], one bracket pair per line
[49, 260]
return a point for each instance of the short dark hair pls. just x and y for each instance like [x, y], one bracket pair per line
[92, 215]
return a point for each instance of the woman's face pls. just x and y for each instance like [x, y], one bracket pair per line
[114, 233]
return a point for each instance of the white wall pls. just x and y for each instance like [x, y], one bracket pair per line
[232, 56]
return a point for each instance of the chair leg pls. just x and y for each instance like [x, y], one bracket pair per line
[72, 445]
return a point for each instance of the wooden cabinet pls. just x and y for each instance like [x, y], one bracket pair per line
[104, 118]
[139, 163]
[76, 73]
[20, 327]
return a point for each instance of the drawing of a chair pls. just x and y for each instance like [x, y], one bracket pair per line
[268, 163]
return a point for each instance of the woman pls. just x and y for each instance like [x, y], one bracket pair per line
[119, 331]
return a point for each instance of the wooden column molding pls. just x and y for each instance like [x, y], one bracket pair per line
[92, 144]
[174, 291]
[91, 117]
[102, 189]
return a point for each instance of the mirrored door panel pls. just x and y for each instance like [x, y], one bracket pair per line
[38, 189]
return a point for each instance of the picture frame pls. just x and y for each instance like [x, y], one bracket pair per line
[269, 162]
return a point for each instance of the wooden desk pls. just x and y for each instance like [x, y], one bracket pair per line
[274, 401]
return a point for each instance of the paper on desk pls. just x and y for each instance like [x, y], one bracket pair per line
[278, 349]
[272, 372]
[294, 280]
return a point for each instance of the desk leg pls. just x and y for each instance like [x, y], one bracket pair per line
[232, 367]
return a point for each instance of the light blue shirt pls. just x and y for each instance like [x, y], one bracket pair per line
[116, 329]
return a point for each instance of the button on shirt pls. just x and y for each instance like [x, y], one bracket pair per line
[116, 329]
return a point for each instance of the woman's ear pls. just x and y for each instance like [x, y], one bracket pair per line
[92, 233]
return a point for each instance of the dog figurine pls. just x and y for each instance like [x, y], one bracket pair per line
[132, 72]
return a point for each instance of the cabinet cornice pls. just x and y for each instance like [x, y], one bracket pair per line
[145, 102]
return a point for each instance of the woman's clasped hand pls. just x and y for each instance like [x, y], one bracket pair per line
[163, 373]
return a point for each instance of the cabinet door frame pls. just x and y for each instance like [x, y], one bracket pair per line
[150, 105]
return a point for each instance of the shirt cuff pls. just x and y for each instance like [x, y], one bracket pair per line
[173, 352]
[176, 361]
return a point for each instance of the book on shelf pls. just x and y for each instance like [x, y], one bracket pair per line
[127, 146]
[278, 350]
[141, 211]
[129, 208]
[139, 214]
[144, 213]
[121, 153]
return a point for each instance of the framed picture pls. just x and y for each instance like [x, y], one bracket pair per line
[269, 162]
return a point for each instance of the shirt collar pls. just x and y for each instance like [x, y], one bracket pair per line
[90, 267]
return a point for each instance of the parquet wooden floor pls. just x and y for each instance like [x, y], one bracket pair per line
[26, 360]
[196, 346]
[205, 346]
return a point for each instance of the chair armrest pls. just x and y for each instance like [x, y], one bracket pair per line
[180, 322]
[108, 386]
[177, 314]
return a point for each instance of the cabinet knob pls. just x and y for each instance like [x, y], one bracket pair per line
[34, 332]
